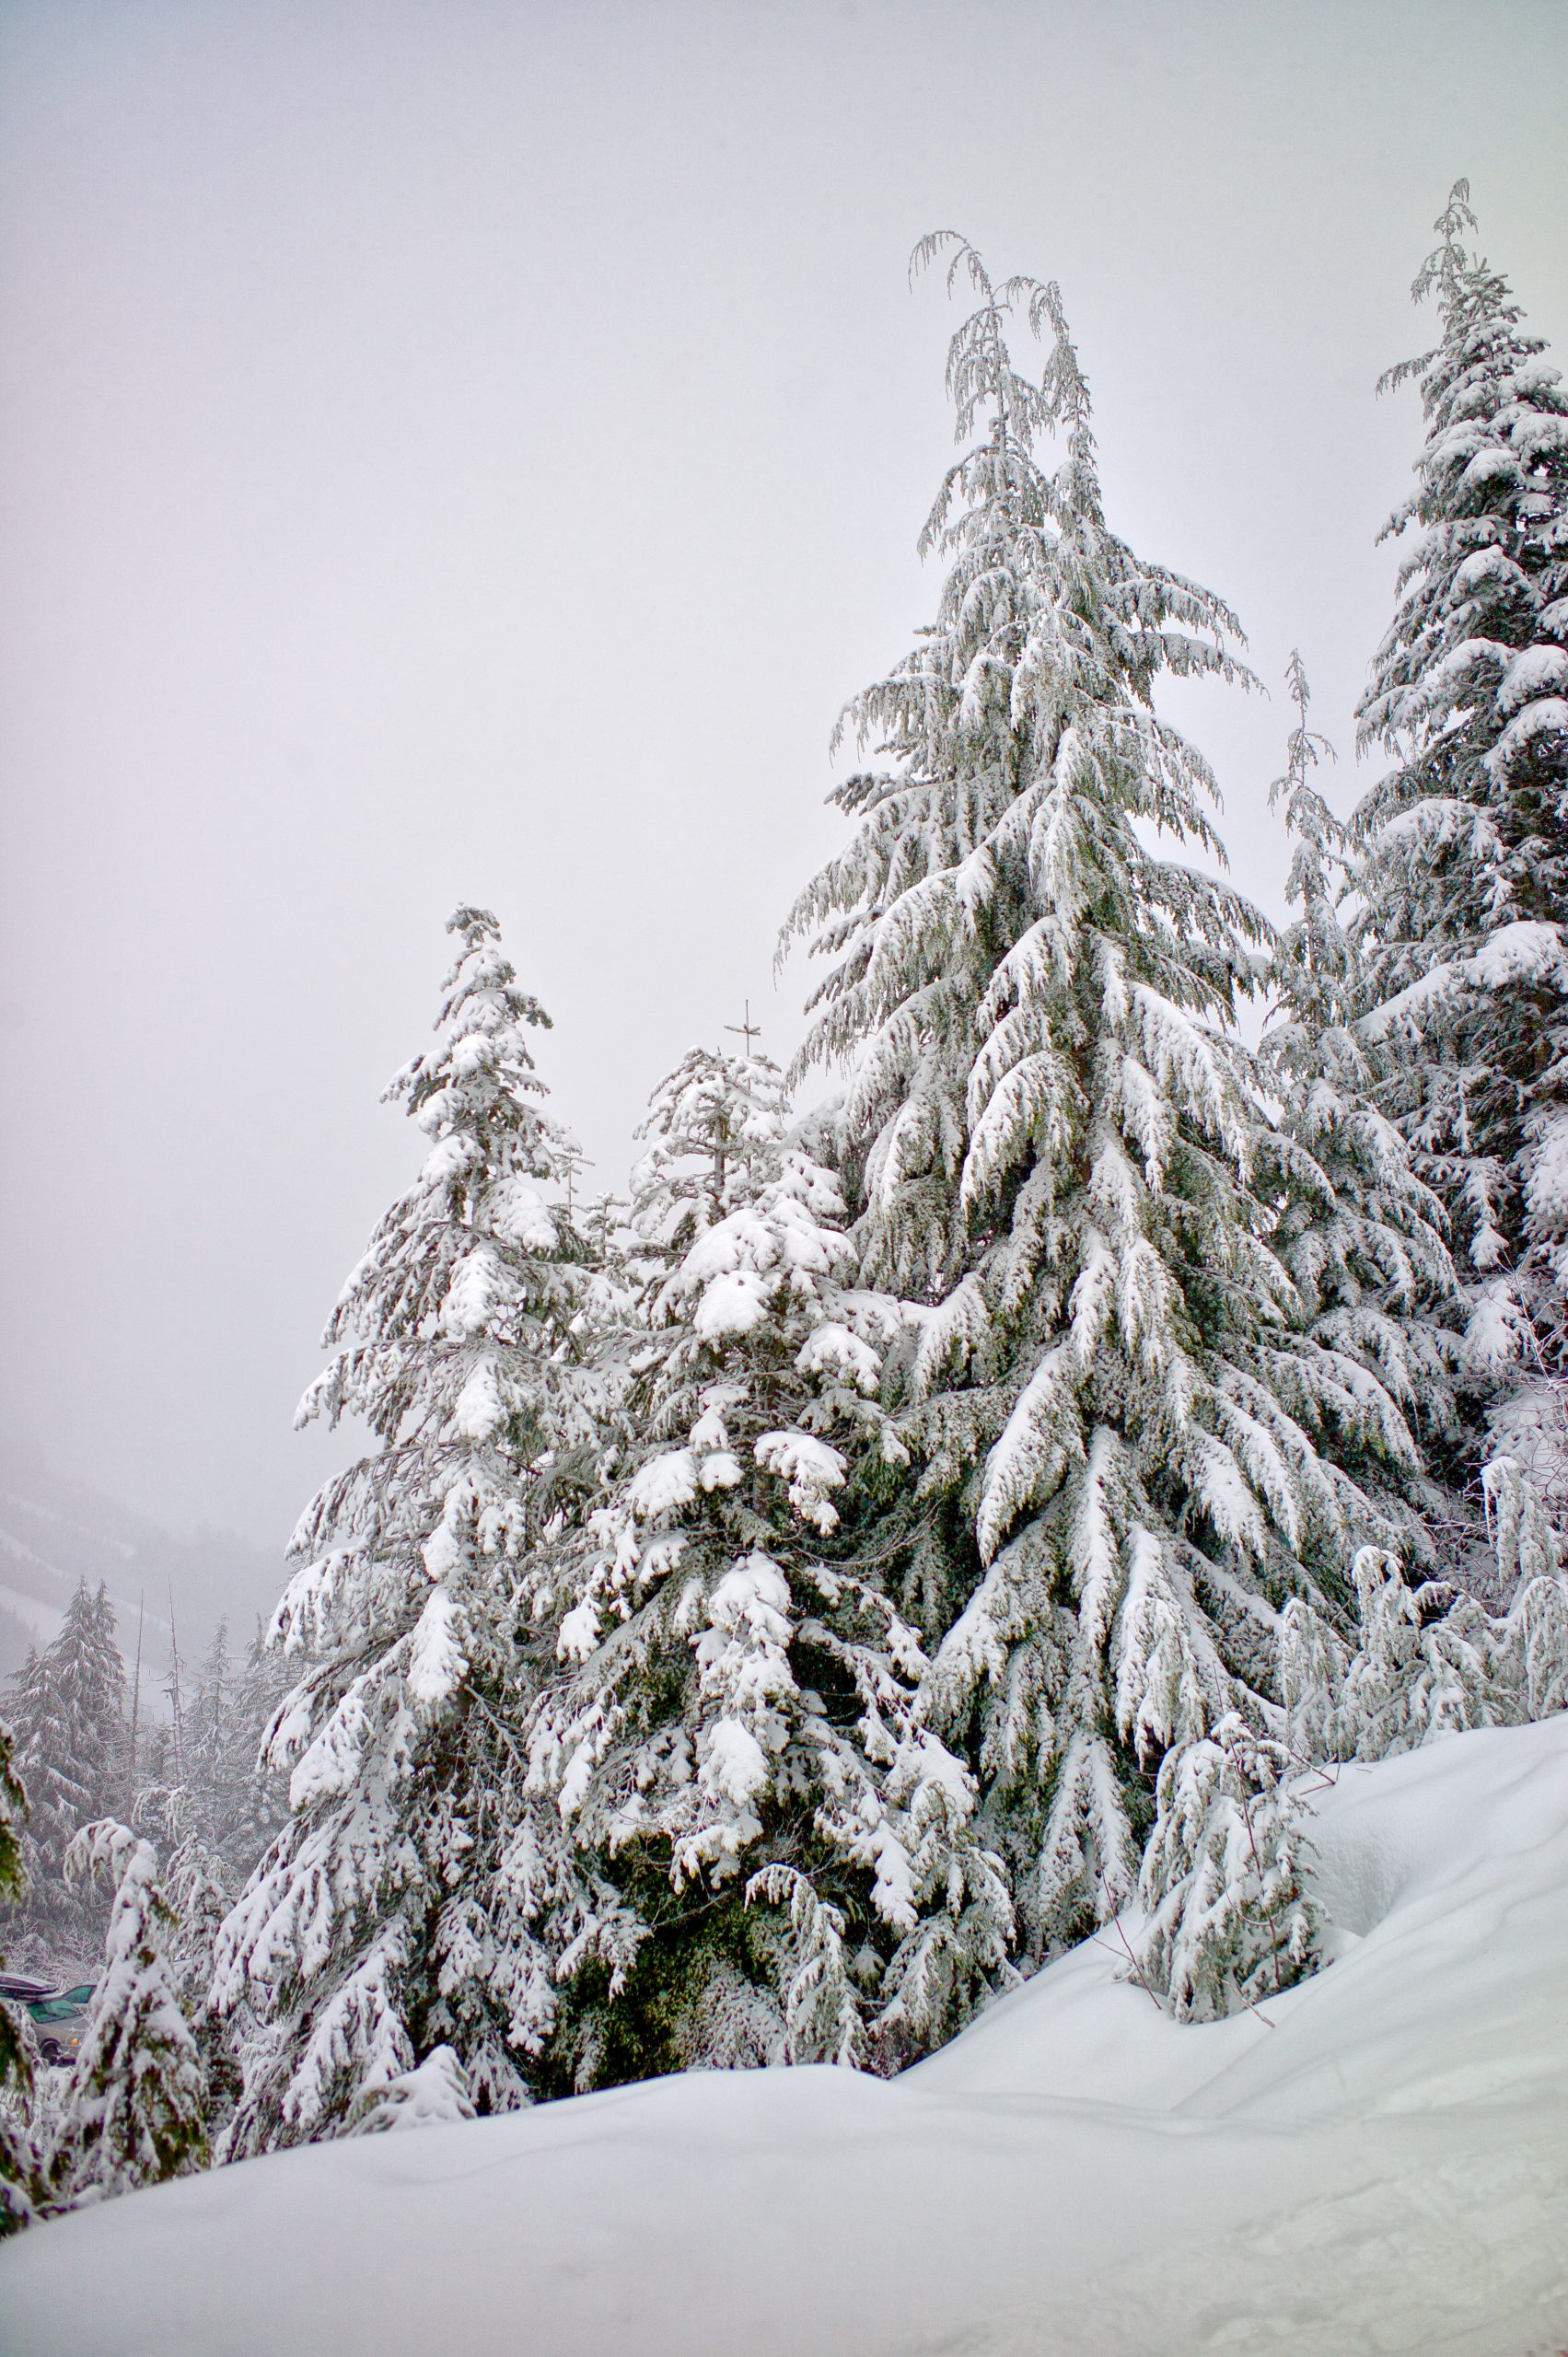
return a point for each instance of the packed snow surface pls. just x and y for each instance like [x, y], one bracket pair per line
[1376, 2161]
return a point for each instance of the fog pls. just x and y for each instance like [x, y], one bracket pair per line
[473, 452]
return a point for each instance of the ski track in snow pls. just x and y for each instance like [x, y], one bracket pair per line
[1377, 2163]
[1447, 2258]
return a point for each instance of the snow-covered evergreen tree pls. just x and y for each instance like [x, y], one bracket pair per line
[1360, 1234]
[1230, 1919]
[1312, 1660]
[1129, 1445]
[20, 2164]
[200, 1894]
[212, 1828]
[1428, 1658]
[736, 1744]
[1466, 837]
[1424, 1664]
[200, 1884]
[132, 2110]
[217, 1769]
[264, 1674]
[67, 1713]
[227, 1799]
[392, 1913]
[434, 2093]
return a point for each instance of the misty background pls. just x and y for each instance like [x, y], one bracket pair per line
[473, 452]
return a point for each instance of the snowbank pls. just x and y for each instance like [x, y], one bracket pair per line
[1378, 2161]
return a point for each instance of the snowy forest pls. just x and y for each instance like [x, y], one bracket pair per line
[983, 1473]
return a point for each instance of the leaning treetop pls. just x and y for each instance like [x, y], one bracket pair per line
[1022, 744]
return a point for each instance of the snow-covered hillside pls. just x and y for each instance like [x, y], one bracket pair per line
[1376, 2161]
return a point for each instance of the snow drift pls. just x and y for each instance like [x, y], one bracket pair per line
[1377, 2160]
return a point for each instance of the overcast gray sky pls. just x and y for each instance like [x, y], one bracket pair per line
[473, 449]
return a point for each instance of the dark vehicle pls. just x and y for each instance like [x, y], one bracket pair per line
[60, 2017]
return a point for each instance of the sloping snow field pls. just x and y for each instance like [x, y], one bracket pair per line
[1377, 2162]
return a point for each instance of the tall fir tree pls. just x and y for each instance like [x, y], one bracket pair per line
[1362, 1235]
[1129, 1443]
[384, 1921]
[1466, 837]
[736, 1744]
[67, 1713]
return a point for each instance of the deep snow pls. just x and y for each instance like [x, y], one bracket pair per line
[1377, 2162]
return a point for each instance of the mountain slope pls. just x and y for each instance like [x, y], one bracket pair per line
[55, 1531]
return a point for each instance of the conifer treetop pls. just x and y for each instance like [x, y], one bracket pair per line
[1490, 475]
[1317, 836]
[996, 848]
[471, 1093]
[708, 1121]
[1487, 496]
[1465, 838]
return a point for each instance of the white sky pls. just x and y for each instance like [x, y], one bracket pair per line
[472, 451]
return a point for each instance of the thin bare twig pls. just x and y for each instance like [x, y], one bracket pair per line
[1137, 1967]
